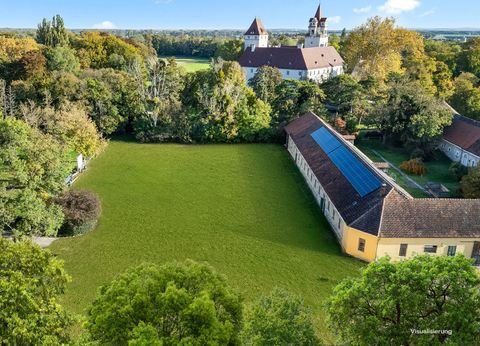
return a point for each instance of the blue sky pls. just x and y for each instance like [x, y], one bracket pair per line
[236, 14]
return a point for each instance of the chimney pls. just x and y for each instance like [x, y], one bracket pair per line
[300, 46]
[253, 47]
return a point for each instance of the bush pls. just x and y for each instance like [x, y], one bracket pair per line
[458, 171]
[471, 183]
[81, 210]
[414, 166]
[417, 154]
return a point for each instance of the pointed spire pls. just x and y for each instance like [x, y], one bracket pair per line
[256, 28]
[318, 15]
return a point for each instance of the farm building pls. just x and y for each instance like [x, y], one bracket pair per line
[315, 60]
[372, 216]
[461, 141]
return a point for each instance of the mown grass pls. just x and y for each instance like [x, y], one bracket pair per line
[438, 169]
[244, 209]
[193, 64]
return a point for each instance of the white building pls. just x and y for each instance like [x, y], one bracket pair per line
[315, 60]
[461, 141]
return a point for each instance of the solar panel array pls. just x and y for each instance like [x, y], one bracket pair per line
[354, 170]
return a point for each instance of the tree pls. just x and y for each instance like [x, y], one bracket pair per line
[69, 124]
[469, 59]
[278, 319]
[31, 279]
[296, 97]
[230, 50]
[218, 104]
[32, 170]
[52, 33]
[161, 96]
[379, 47]
[470, 184]
[443, 80]
[177, 303]
[411, 115]
[62, 59]
[466, 98]
[389, 300]
[265, 81]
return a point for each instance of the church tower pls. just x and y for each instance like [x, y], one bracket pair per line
[317, 31]
[256, 36]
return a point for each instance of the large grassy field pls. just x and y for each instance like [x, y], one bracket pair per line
[193, 64]
[243, 208]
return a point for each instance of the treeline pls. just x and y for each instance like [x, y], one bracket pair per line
[190, 303]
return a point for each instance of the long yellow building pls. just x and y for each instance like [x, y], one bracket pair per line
[369, 213]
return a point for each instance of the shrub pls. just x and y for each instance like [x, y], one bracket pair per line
[471, 183]
[414, 166]
[458, 171]
[81, 210]
[417, 154]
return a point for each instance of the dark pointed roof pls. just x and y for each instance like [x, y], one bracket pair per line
[256, 28]
[318, 14]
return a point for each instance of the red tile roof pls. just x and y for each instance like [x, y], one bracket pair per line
[430, 218]
[256, 28]
[387, 212]
[465, 133]
[292, 58]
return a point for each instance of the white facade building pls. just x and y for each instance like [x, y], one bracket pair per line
[461, 141]
[315, 61]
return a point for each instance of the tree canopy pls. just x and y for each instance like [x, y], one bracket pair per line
[177, 303]
[31, 280]
[389, 300]
[278, 319]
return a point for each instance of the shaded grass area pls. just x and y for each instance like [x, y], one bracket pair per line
[245, 209]
[193, 64]
[438, 169]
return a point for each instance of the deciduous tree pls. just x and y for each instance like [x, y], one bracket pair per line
[278, 319]
[389, 300]
[174, 304]
[31, 279]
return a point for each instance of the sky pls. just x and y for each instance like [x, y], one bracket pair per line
[236, 14]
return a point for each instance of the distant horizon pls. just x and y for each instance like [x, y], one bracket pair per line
[236, 29]
[225, 15]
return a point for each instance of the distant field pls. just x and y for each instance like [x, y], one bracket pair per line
[193, 64]
[243, 208]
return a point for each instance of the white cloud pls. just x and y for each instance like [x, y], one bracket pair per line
[105, 25]
[362, 9]
[399, 6]
[428, 13]
[335, 19]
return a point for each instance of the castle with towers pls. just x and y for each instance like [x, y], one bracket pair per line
[314, 60]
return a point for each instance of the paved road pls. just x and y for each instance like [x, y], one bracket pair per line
[410, 180]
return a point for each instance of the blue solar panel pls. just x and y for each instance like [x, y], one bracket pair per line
[355, 171]
[326, 140]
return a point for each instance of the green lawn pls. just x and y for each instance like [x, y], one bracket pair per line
[193, 64]
[245, 209]
[438, 170]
